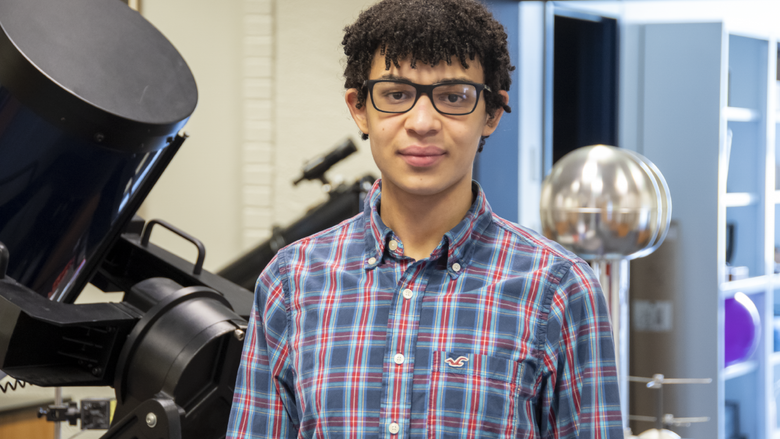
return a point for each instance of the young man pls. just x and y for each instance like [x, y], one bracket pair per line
[427, 316]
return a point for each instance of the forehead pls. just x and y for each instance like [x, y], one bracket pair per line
[423, 73]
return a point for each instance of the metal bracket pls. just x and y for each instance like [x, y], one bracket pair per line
[154, 418]
[61, 413]
[95, 414]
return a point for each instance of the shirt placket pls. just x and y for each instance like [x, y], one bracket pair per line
[402, 329]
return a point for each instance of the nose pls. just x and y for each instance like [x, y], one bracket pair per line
[423, 118]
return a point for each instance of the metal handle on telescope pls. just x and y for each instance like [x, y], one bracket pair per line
[201, 248]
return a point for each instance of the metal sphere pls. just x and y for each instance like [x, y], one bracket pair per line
[665, 208]
[605, 203]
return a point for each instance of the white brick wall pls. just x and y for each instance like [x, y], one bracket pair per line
[258, 134]
[293, 107]
[201, 190]
[310, 115]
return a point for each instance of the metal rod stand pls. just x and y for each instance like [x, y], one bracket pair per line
[613, 276]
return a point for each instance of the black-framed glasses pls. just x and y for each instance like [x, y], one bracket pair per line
[456, 98]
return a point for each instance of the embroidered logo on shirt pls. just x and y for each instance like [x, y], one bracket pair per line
[458, 362]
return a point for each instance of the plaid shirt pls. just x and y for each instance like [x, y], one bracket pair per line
[500, 333]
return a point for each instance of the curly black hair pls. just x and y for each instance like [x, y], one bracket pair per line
[429, 31]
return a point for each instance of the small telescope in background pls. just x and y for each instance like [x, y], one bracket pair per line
[316, 168]
[344, 202]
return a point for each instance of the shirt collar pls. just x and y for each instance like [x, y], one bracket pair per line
[457, 243]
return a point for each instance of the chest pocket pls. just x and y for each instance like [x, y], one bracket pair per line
[475, 394]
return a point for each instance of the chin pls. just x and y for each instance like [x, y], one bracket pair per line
[426, 187]
[423, 191]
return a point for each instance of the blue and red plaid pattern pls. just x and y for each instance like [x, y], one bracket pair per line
[500, 333]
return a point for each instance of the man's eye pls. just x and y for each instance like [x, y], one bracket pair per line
[453, 98]
[396, 95]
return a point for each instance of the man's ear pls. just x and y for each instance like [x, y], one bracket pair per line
[492, 121]
[358, 114]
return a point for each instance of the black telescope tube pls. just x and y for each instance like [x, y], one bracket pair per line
[92, 97]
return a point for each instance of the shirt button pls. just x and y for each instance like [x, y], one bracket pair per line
[394, 428]
[393, 245]
[456, 267]
[408, 293]
[399, 359]
[371, 261]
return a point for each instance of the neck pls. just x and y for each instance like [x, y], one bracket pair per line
[422, 220]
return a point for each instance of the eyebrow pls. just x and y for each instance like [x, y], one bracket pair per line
[443, 81]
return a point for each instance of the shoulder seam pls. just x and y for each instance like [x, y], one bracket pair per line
[515, 230]
[547, 301]
[332, 229]
[285, 278]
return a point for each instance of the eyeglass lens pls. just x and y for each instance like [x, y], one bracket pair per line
[398, 97]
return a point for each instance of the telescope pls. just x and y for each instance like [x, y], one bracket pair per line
[92, 102]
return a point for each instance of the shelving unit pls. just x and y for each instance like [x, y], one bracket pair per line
[749, 286]
[739, 114]
[741, 199]
[773, 337]
[708, 120]
[740, 369]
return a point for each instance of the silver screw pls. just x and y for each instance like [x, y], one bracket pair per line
[239, 334]
[151, 420]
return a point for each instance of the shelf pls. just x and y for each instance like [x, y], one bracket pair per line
[741, 199]
[737, 114]
[739, 369]
[746, 168]
[751, 285]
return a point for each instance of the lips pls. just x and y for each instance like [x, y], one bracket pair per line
[421, 156]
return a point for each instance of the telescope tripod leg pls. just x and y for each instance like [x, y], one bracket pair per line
[156, 418]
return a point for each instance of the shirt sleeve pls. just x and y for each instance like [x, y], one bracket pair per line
[580, 397]
[264, 403]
